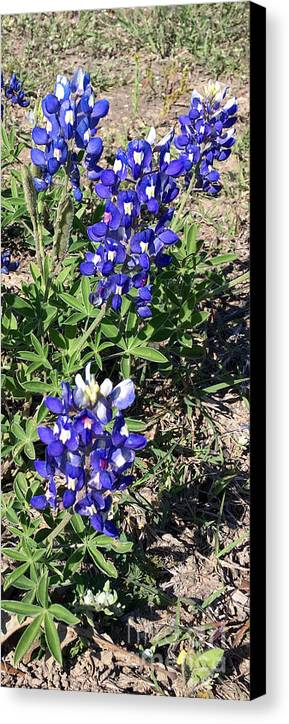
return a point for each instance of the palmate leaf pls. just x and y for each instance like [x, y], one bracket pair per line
[149, 353]
[12, 577]
[101, 563]
[74, 562]
[21, 608]
[14, 554]
[63, 614]
[42, 591]
[52, 638]
[200, 667]
[30, 634]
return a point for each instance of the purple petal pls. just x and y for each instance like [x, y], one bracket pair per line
[175, 168]
[123, 394]
[51, 103]
[53, 404]
[69, 498]
[37, 157]
[55, 448]
[97, 522]
[87, 268]
[39, 136]
[45, 434]
[41, 468]
[168, 237]
[135, 441]
[110, 529]
[39, 502]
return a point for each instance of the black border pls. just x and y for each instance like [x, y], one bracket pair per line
[258, 346]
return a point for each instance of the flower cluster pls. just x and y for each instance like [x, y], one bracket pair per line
[83, 459]
[13, 92]
[7, 265]
[138, 191]
[206, 136]
[71, 117]
[133, 232]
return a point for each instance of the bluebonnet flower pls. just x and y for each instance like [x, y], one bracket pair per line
[40, 502]
[129, 207]
[142, 184]
[206, 136]
[71, 117]
[149, 191]
[139, 156]
[12, 92]
[7, 265]
[84, 462]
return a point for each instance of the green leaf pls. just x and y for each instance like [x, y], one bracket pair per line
[37, 386]
[75, 318]
[149, 353]
[77, 523]
[36, 344]
[232, 545]
[212, 597]
[12, 577]
[23, 609]
[17, 431]
[101, 563]
[110, 330]
[101, 541]
[121, 547]
[30, 634]
[24, 584]
[20, 487]
[52, 638]
[72, 302]
[223, 259]
[191, 239]
[42, 591]
[85, 292]
[63, 614]
[202, 666]
[224, 385]
[135, 425]
[29, 450]
[198, 318]
[74, 562]
[125, 366]
[14, 554]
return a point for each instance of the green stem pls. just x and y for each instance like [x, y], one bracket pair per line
[90, 329]
[58, 528]
[183, 203]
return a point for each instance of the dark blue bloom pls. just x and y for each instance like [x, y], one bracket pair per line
[145, 179]
[72, 115]
[129, 206]
[84, 462]
[7, 265]
[206, 136]
[139, 156]
[149, 191]
[13, 92]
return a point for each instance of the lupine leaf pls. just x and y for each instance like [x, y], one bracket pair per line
[149, 353]
[21, 608]
[42, 591]
[27, 638]
[52, 638]
[101, 563]
[63, 614]
[12, 577]
[14, 554]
